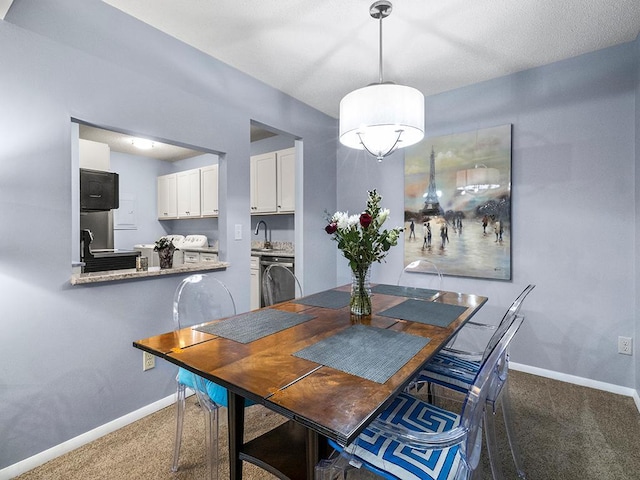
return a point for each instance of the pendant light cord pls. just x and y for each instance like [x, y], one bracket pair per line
[380, 51]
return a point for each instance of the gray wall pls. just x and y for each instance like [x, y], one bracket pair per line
[574, 215]
[67, 365]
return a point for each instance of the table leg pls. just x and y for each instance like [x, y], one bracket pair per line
[317, 448]
[235, 422]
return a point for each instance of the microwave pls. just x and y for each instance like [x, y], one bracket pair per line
[99, 190]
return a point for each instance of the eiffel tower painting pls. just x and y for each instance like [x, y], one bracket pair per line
[431, 202]
[461, 226]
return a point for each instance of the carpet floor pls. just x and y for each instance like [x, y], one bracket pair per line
[564, 431]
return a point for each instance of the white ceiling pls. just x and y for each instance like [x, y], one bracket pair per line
[123, 143]
[319, 51]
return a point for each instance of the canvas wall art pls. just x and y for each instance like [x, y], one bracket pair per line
[457, 198]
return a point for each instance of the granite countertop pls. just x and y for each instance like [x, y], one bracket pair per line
[272, 253]
[132, 273]
[279, 249]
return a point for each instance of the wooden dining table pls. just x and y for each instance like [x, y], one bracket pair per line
[330, 373]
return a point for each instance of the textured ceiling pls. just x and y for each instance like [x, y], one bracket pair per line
[317, 52]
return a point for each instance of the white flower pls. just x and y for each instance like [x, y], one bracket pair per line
[384, 213]
[354, 220]
[341, 219]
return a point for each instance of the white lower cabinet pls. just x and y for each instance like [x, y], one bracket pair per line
[255, 283]
[199, 257]
[191, 257]
[208, 257]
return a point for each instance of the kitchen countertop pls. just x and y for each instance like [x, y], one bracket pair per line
[132, 273]
[279, 249]
[272, 253]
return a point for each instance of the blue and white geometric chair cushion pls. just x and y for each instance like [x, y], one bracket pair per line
[394, 460]
[450, 371]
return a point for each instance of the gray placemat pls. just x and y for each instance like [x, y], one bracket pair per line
[401, 291]
[328, 299]
[367, 352]
[254, 325]
[431, 313]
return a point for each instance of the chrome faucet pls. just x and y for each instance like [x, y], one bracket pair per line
[267, 243]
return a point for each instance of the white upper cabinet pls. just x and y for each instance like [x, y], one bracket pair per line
[263, 183]
[286, 174]
[167, 198]
[189, 194]
[209, 190]
[188, 185]
[94, 155]
[273, 187]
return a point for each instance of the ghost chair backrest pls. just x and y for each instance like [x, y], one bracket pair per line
[421, 274]
[201, 298]
[279, 284]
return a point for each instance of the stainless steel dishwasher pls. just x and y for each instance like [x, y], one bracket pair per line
[284, 285]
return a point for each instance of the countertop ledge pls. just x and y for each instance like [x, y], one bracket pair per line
[132, 274]
[272, 253]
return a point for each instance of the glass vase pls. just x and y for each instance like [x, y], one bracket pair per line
[361, 291]
[166, 257]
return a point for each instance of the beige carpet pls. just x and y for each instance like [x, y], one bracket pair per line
[565, 432]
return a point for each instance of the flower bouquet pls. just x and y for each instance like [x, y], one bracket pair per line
[362, 241]
[165, 248]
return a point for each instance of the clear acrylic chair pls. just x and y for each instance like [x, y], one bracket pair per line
[279, 284]
[413, 439]
[421, 274]
[456, 366]
[198, 299]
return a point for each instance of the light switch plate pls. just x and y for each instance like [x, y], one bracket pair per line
[238, 231]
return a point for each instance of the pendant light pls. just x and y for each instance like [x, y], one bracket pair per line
[383, 116]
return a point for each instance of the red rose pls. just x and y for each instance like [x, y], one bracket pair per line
[331, 228]
[365, 220]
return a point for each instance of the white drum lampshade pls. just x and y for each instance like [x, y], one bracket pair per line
[382, 117]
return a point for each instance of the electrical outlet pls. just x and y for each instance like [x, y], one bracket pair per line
[148, 361]
[625, 345]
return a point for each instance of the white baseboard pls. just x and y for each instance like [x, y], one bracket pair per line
[583, 382]
[76, 442]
